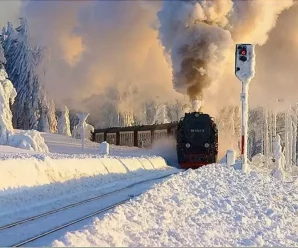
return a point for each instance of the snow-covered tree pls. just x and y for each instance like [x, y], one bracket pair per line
[126, 119]
[32, 109]
[255, 132]
[30, 140]
[43, 122]
[2, 58]
[278, 171]
[64, 123]
[161, 115]
[150, 111]
[7, 97]
[76, 133]
[229, 124]
[53, 123]
[20, 67]
[176, 110]
[74, 119]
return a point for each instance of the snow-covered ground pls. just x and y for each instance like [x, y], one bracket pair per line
[32, 182]
[212, 206]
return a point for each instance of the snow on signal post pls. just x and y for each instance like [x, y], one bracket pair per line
[244, 71]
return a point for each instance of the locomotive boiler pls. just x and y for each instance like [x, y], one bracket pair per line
[197, 140]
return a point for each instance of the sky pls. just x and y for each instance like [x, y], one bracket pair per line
[99, 48]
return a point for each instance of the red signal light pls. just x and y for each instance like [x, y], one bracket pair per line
[243, 52]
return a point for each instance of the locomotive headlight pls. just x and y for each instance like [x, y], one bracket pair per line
[207, 145]
[187, 145]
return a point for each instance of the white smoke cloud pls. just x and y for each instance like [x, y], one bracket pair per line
[97, 47]
[202, 34]
[101, 50]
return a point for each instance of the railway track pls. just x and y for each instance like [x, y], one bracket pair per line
[31, 220]
[27, 241]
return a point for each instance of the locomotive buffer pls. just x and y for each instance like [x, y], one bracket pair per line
[244, 71]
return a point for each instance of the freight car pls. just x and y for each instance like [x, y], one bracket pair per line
[197, 140]
[140, 136]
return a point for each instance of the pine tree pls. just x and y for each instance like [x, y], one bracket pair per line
[2, 58]
[32, 109]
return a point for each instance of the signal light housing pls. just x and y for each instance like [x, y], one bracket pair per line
[244, 62]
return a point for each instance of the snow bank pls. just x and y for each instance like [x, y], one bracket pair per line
[211, 206]
[42, 170]
[29, 140]
[37, 180]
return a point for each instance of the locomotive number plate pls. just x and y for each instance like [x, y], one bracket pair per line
[197, 130]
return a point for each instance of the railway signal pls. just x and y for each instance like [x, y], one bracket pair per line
[244, 71]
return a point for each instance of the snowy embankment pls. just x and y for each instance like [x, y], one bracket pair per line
[212, 206]
[29, 179]
[15, 174]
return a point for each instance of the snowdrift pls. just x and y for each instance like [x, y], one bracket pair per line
[29, 140]
[18, 173]
[212, 206]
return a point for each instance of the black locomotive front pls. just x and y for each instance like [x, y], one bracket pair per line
[197, 140]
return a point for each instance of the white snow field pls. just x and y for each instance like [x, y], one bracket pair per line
[32, 182]
[215, 205]
[212, 206]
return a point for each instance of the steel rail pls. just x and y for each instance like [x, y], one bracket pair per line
[77, 204]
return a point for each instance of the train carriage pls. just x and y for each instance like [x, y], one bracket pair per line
[99, 137]
[160, 134]
[111, 138]
[126, 138]
[140, 136]
[144, 138]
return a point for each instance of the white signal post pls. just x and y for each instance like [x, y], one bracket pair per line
[83, 117]
[244, 71]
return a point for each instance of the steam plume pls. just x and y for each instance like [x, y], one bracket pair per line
[200, 36]
[197, 105]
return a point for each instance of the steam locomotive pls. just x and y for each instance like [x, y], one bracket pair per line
[196, 135]
[197, 140]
